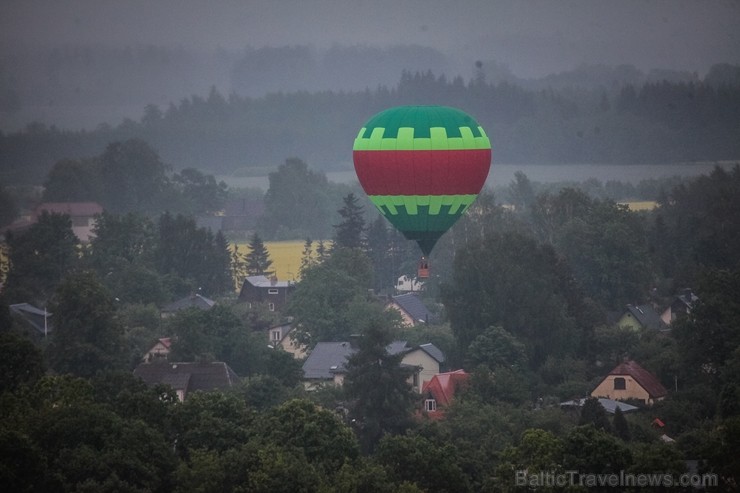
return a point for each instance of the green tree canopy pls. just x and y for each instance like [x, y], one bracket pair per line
[708, 337]
[199, 193]
[40, 258]
[593, 413]
[74, 180]
[509, 280]
[381, 397]
[87, 338]
[496, 347]
[326, 442]
[21, 362]
[194, 254]
[298, 201]
[326, 301]
[420, 461]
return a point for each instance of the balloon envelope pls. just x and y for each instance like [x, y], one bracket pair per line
[422, 167]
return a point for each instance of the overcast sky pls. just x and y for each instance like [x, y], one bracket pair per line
[533, 37]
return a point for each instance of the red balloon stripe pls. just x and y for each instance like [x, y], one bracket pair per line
[438, 172]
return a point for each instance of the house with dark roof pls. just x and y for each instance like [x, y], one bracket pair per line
[641, 317]
[326, 364]
[39, 320]
[679, 307]
[193, 301]
[629, 380]
[413, 311]
[439, 392]
[261, 289]
[186, 378]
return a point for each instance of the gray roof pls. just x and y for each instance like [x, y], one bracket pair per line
[609, 405]
[396, 347]
[412, 304]
[265, 282]
[329, 358]
[192, 301]
[433, 351]
[646, 316]
[33, 316]
[326, 359]
[187, 376]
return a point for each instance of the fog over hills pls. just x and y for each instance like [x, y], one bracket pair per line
[80, 63]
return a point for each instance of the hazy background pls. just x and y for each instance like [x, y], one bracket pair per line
[79, 63]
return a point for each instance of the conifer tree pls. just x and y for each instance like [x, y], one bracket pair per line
[377, 385]
[258, 258]
[621, 426]
[321, 251]
[307, 258]
[350, 233]
[594, 413]
[238, 266]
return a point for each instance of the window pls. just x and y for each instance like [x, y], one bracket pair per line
[619, 384]
[430, 405]
[271, 306]
[272, 291]
[275, 335]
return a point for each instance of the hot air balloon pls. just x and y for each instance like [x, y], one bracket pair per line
[422, 167]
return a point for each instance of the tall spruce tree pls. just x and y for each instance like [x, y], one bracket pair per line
[621, 426]
[377, 386]
[258, 258]
[307, 257]
[350, 233]
[594, 413]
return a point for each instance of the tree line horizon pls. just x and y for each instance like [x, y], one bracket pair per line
[624, 123]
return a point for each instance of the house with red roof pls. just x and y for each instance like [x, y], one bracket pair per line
[159, 351]
[82, 215]
[439, 392]
[629, 380]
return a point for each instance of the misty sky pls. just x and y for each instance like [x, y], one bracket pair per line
[532, 37]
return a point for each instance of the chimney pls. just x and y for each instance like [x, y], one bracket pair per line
[273, 280]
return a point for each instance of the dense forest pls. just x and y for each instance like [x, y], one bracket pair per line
[524, 297]
[630, 120]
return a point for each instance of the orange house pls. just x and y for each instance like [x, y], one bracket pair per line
[440, 391]
[628, 380]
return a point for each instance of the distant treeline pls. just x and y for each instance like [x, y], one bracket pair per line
[656, 122]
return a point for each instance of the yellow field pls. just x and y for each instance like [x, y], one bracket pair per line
[285, 256]
[641, 205]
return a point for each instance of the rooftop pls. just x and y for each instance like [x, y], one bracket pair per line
[192, 301]
[416, 309]
[647, 380]
[187, 376]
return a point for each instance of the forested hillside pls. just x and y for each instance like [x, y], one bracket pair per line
[652, 122]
